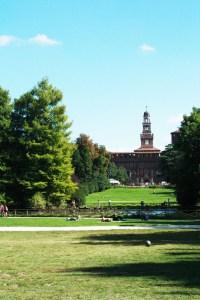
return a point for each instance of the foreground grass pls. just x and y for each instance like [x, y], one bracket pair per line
[131, 195]
[60, 221]
[100, 266]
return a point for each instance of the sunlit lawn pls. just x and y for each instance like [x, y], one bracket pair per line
[100, 265]
[61, 221]
[131, 195]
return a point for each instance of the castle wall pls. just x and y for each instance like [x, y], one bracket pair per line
[142, 165]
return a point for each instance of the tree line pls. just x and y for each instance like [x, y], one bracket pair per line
[39, 165]
[93, 168]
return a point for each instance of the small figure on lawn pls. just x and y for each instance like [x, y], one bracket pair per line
[104, 219]
[1, 209]
[5, 210]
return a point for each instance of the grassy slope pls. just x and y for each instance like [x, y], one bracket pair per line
[103, 265]
[132, 195]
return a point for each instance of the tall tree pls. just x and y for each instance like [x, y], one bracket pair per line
[42, 159]
[181, 161]
[5, 115]
[90, 162]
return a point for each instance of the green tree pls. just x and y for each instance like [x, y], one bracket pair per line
[5, 116]
[91, 163]
[83, 158]
[181, 161]
[122, 175]
[43, 151]
[118, 173]
[168, 163]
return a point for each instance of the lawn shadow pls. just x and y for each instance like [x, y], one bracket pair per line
[157, 221]
[139, 237]
[164, 193]
[183, 273]
[180, 269]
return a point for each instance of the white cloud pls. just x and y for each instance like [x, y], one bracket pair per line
[147, 48]
[6, 40]
[176, 119]
[43, 40]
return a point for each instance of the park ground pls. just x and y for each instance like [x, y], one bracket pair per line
[131, 195]
[100, 265]
[64, 222]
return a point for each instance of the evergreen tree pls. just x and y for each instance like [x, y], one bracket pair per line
[41, 161]
[5, 115]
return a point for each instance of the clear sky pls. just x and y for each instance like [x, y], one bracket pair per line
[110, 58]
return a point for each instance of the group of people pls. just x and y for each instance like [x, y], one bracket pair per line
[3, 210]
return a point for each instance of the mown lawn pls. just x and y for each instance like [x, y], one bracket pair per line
[100, 265]
[61, 221]
[120, 195]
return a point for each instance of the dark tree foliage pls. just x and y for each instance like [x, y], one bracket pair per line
[90, 162]
[181, 161]
[118, 173]
[42, 151]
[5, 115]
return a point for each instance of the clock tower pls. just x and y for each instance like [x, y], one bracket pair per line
[143, 164]
[146, 136]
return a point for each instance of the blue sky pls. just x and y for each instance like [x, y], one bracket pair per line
[110, 58]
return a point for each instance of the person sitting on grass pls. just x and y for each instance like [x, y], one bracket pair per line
[104, 219]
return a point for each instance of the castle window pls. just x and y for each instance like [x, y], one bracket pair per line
[146, 142]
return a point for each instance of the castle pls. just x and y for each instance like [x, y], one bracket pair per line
[142, 164]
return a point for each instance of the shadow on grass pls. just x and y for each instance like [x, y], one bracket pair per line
[157, 238]
[183, 273]
[156, 221]
[184, 253]
[167, 193]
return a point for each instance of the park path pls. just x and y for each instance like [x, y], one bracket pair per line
[97, 228]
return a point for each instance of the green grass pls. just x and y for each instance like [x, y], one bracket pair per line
[131, 195]
[48, 221]
[59, 221]
[100, 265]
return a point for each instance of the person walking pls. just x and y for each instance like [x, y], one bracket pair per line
[5, 210]
[1, 209]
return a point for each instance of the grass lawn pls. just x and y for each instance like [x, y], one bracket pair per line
[100, 265]
[61, 221]
[120, 195]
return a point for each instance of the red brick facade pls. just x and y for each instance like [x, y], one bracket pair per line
[142, 164]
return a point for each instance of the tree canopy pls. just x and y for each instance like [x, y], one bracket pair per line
[39, 165]
[181, 161]
[90, 162]
[41, 162]
[5, 116]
